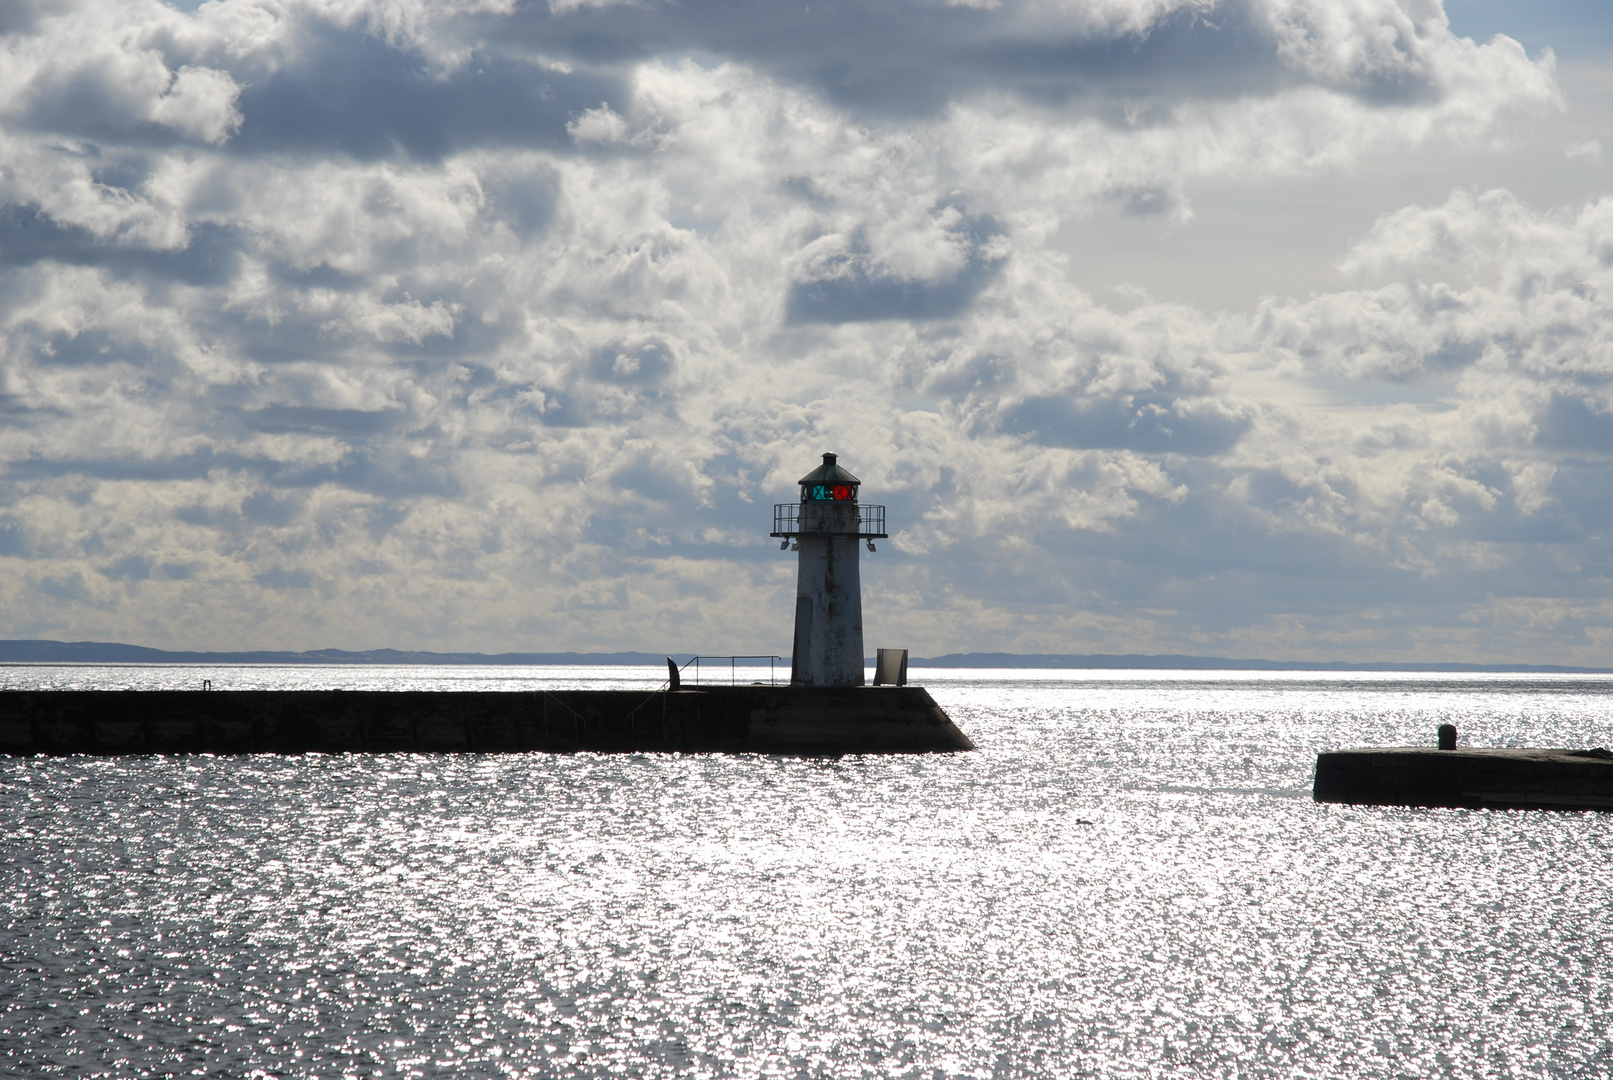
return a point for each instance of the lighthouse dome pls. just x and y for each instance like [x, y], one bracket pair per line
[829, 483]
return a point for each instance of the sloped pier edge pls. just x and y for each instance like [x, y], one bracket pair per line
[1469, 777]
[791, 720]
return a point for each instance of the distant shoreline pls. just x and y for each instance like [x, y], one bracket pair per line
[103, 652]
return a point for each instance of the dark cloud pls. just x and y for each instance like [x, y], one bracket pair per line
[308, 420]
[388, 471]
[576, 410]
[323, 276]
[21, 16]
[67, 587]
[1570, 423]
[128, 172]
[191, 466]
[202, 514]
[15, 540]
[858, 293]
[912, 58]
[28, 236]
[1582, 491]
[525, 201]
[352, 93]
[654, 479]
[381, 520]
[89, 104]
[129, 568]
[285, 579]
[266, 509]
[92, 347]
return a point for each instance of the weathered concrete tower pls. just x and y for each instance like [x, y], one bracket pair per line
[827, 526]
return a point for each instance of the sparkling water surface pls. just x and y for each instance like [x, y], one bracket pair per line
[1127, 879]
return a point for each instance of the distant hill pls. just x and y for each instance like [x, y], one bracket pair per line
[104, 652]
[107, 652]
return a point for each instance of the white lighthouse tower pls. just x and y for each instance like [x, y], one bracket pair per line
[828, 526]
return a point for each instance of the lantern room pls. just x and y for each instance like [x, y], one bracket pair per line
[829, 483]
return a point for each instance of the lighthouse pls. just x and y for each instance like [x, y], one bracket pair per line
[828, 527]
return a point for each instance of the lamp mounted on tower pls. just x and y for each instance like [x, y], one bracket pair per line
[827, 526]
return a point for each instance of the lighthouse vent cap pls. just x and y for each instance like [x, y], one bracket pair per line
[829, 473]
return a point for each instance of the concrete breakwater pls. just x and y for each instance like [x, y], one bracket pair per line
[1471, 777]
[795, 720]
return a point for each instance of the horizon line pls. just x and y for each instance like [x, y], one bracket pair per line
[45, 651]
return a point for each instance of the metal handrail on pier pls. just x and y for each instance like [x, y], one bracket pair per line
[870, 522]
[674, 683]
[733, 666]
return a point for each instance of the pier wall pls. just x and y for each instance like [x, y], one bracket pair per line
[808, 721]
[1495, 778]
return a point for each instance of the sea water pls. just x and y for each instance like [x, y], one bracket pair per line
[1127, 879]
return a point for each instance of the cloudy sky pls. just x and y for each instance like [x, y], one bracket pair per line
[1276, 328]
